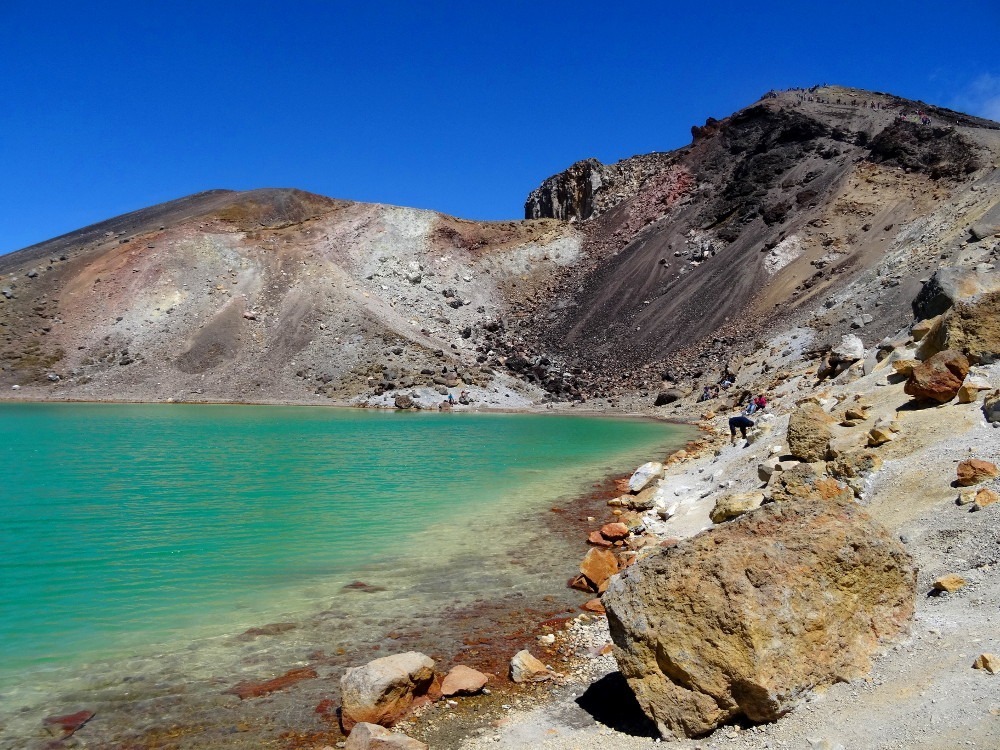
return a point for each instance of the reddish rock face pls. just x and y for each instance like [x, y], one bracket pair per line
[973, 471]
[938, 378]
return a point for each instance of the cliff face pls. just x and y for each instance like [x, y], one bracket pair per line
[765, 216]
[822, 209]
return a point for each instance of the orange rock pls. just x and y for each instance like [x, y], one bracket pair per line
[598, 566]
[984, 498]
[614, 532]
[596, 539]
[974, 471]
[949, 583]
[594, 605]
[938, 378]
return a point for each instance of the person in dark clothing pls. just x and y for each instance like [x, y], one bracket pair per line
[741, 422]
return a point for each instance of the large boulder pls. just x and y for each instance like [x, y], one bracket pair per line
[809, 432]
[938, 378]
[949, 286]
[746, 618]
[973, 328]
[383, 690]
[374, 737]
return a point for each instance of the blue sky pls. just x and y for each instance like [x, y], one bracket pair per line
[463, 107]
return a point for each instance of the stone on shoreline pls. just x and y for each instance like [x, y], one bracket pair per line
[383, 690]
[366, 736]
[463, 680]
[792, 597]
[526, 668]
[644, 475]
[597, 567]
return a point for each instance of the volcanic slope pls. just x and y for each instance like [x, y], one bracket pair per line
[266, 295]
[822, 209]
[814, 206]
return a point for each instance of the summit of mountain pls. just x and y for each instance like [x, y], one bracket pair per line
[822, 210]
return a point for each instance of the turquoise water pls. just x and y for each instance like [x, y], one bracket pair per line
[129, 526]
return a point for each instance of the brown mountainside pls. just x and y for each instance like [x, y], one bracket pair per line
[824, 209]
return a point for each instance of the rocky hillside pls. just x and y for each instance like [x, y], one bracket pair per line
[825, 208]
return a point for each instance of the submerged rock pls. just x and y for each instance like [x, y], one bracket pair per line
[746, 618]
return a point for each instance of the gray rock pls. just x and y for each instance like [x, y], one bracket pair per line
[7, 292]
[981, 231]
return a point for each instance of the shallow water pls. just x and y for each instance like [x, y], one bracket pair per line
[130, 532]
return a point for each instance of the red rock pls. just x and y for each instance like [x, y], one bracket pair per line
[254, 689]
[974, 470]
[69, 723]
[462, 680]
[594, 605]
[595, 538]
[614, 532]
[938, 378]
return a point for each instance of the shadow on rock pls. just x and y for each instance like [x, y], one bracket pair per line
[610, 702]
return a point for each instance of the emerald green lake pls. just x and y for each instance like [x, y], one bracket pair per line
[131, 529]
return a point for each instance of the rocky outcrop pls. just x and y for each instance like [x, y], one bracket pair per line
[938, 378]
[809, 432]
[973, 328]
[588, 187]
[747, 618]
[952, 285]
[854, 467]
[383, 690]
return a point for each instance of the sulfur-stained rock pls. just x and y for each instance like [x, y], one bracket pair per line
[802, 482]
[382, 691]
[938, 378]
[367, 736]
[970, 389]
[644, 475]
[791, 597]
[880, 436]
[731, 506]
[975, 471]
[809, 432]
[922, 327]
[904, 367]
[598, 566]
[989, 662]
[966, 497]
[463, 680]
[853, 467]
[948, 583]
[526, 668]
[973, 328]
[985, 498]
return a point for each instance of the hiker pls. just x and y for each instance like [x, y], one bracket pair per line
[742, 422]
[705, 395]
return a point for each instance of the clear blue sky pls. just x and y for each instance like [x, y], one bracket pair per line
[463, 107]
